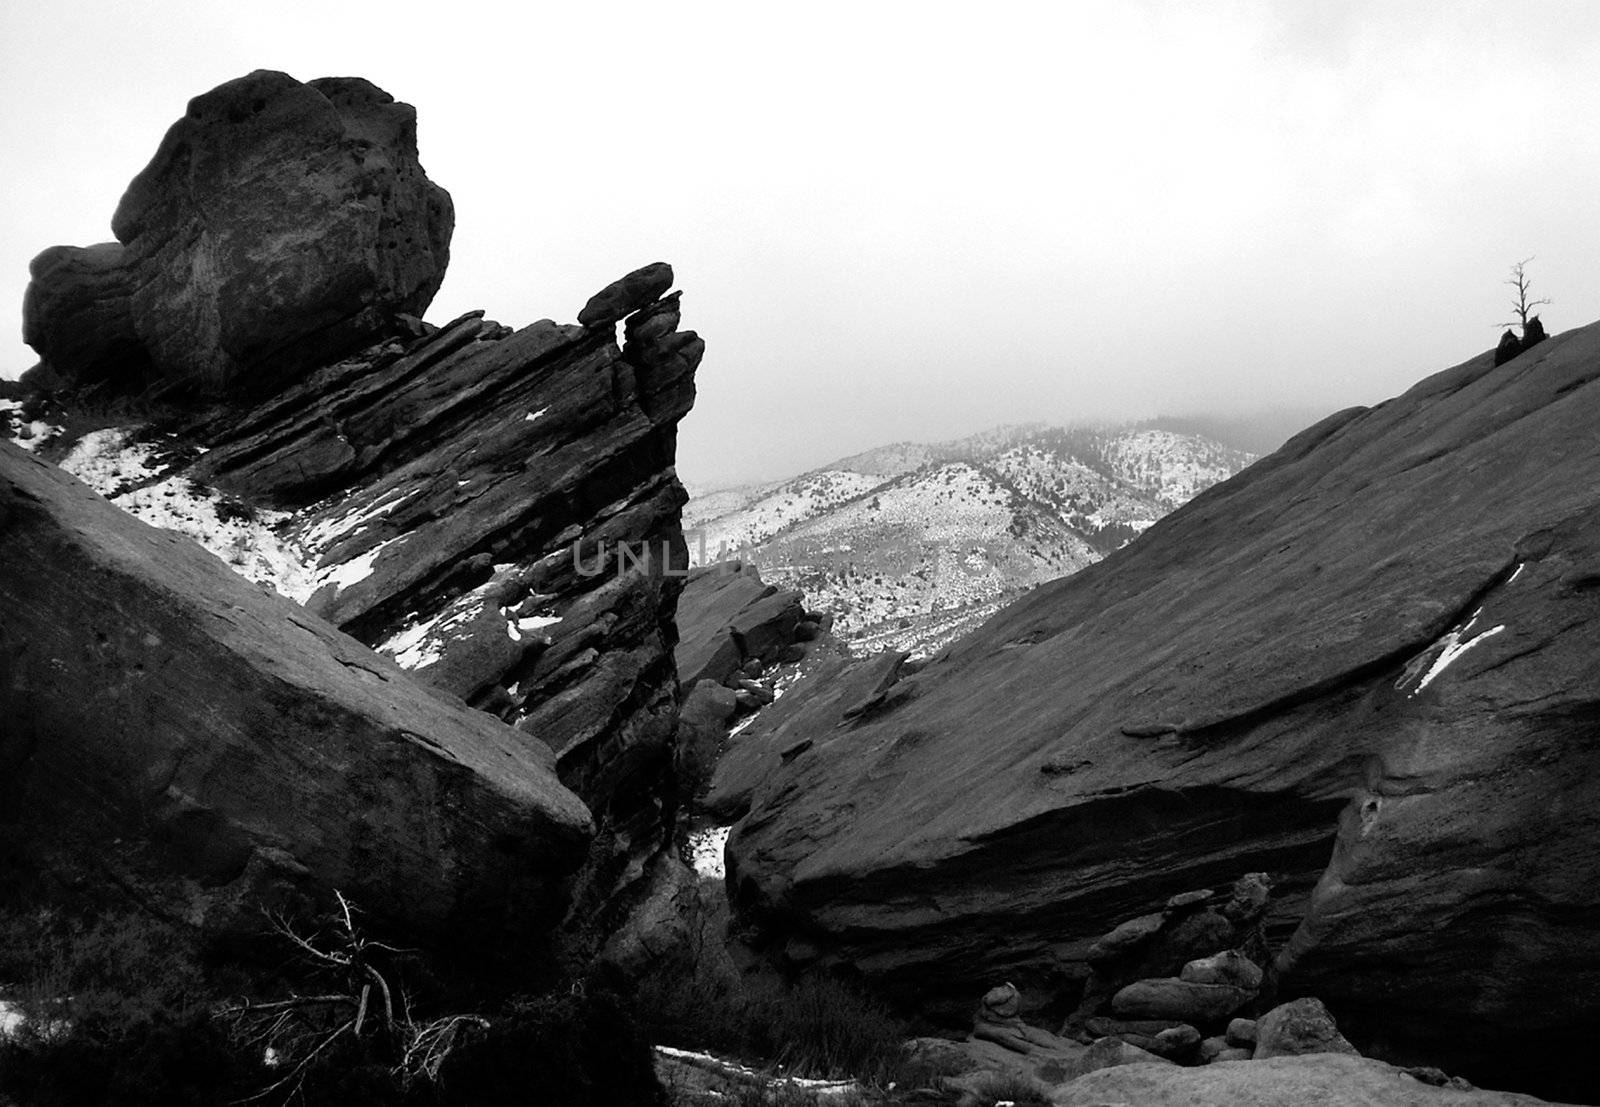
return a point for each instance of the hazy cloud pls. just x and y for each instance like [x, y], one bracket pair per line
[912, 220]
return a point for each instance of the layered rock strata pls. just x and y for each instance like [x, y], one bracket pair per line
[1389, 617]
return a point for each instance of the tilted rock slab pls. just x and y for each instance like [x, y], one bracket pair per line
[218, 750]
[726, 616]
[1397, 606]
[498, 511]
[279, 225]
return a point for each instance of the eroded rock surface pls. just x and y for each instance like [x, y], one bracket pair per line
[279, 225]
[1333, 1080]
[1396, 606]
[729, 617]
[218, 750]
[498, 511]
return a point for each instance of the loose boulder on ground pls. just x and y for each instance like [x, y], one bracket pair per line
[1299, 1026]
[1324, 1079]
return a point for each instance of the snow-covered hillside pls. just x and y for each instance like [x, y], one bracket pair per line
[743, 522]
[910, 545]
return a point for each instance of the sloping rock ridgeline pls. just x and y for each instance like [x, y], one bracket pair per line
[1395, 607]
[278, 225]
[495, 510]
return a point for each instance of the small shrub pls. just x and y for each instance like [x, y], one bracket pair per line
[116, 1012]
[823, 1026]
[580, 1049]
[993, 1089]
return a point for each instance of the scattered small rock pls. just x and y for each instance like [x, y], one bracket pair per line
[1300, 1026]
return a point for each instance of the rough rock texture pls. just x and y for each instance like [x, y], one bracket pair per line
[499, 512]
[1299, 1026]
[279, 224]
[1398, 605]
[626, 295]
[703, 721]
[1326, 1079]
[217, 749]
[1189, 931]
[1047, 1064]
[728, 616]
[784, 730]
[1171, 998]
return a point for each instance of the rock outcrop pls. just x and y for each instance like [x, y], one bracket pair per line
[495, 510]
[1395, 607]
[279, 225]
[729, 617]
[1511, 346]
[1327, 1079]
[838, 687]
[218, 750]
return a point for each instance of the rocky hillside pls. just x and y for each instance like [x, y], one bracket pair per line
[909, 545]
[493, 511]
[1376, 643]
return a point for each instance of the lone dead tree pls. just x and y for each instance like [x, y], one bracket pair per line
[1522, 305]
[1532, 330]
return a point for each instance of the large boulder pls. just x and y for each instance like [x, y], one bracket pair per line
[1396, 606]
[218, 750]
[1300, 1026]
[496, 511]
[279, 224]
[1172, 998]
[1325, 1079]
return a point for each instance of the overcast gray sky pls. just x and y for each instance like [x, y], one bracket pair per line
[915, 220]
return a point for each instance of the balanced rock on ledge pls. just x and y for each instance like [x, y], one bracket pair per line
[279, 225]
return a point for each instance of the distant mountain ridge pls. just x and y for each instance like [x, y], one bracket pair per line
[910, 544]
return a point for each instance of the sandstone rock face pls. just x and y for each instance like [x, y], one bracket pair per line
[279, 225]
[219, 749]
[1171, 998]
[1299, 1026]
[1397, 606]
[787, 728]
[498, 511]
[1192, 939]
[1326, 1079]
[727, 617]
[626, 295]
[1045, 1062]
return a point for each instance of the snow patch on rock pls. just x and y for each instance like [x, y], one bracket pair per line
[249, 541]
[706, 851]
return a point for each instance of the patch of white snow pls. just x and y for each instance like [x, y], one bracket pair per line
[10, 1019]
[705, 851]
[346, 574]
[108, 463]
[1455, 644]
[324, 533]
